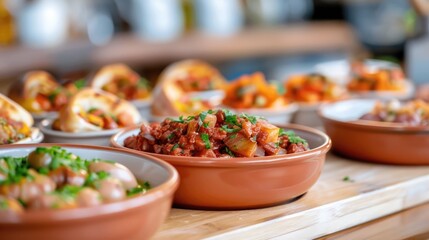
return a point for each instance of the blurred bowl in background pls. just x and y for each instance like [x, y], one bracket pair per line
[380, 142]
[275, 115]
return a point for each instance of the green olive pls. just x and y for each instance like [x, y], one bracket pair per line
[39, 160]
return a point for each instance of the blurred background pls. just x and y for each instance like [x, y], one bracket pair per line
[278, 37]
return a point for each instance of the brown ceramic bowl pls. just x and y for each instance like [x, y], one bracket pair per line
[242, 183]
[390, 143]
[134, 218]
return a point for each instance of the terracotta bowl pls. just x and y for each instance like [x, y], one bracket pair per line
[134, 218]
[390, 143]
[243, 183]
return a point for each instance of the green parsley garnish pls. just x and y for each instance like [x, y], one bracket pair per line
[174, 147]
[95, 176]
[205, 138]
[231, 118]
[170, 136]
[139, 189]
[229, 152]
[293, 138]
[251, 119]
[347, 179]
[143, 83]
[229, 130]
[79, 84]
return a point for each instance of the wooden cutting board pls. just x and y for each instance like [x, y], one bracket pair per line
[331, 205]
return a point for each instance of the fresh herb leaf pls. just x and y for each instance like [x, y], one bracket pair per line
[143, 83]
[229, 152]
[79, 84]
[203, 116]
[95, 176]
[252, 119]
[293, 138]
[170, 136]
[347, 179]
[229, 130]
[206, 124]
[205, 138]
[231, 118]
[174, 147]
[140, 189]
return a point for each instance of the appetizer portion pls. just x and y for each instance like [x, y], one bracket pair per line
[96, 110]
[15, 122]
[121, 81]
[74, 86]
[252, 91]
[52, 178]
[370, 78]
[38, 92]
[217, 134]
[412, 113]
[193, 76]
[312, 88]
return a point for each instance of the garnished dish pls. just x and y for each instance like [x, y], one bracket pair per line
[216, 134]
[74, 86]
[413, 113]
[53, 178]
[121, 81]
[70, 191]
[219, 155]
[95, 110]
[39, 93]
[252, 91]
[369, 130]
[366, 77]
[312, 88]
[16, 124]
[193, 76]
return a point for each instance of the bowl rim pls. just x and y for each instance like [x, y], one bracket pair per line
[242, 161]
[166, 188]
[370, 125]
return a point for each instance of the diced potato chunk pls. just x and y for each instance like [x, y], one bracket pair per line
[271, 131]
[238, 143]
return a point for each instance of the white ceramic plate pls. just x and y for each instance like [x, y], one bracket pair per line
[35, 137]
[99, 138]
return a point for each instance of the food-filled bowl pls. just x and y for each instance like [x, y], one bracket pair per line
[136, 217]
[244, 182]
[381, 142]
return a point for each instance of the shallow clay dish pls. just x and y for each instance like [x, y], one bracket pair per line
[243, 183]
[391, 143]
[134, 218]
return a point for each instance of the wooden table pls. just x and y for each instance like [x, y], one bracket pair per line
[332, 205]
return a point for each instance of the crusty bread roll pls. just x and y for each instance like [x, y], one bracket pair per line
[84, 100]
[168, 94]
[26, 89]
[15, 112]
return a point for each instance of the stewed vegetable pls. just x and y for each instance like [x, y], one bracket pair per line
[216, 133]
[52, 178]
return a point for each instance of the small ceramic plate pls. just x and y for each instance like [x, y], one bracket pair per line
[99, 138]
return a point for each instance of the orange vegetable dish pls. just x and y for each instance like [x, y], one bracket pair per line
[365, 79]
[252, 91]
[216, 133]
[312, 88]
[412, 113]
[199, 77]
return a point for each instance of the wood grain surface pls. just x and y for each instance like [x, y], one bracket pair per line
[332, 205]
